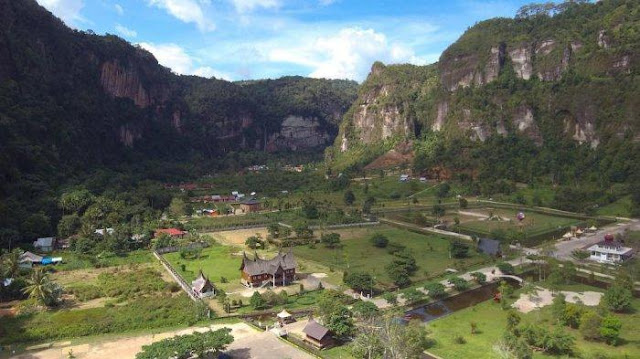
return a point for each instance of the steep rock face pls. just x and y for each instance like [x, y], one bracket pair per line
[466, 70]
[122, 82]
[298, 133]
[522, 63]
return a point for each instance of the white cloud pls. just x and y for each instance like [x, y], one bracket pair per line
[126, 32]
[67, 10]
[189, 11]
[250, 5]
[177, 59]
[347, 54]
[119, 9]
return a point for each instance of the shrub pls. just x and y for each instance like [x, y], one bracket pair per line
[506, 268]
[590, 325]
[436, 290]
[479, 277]
[618, 298]
[379, 240]
[459, 339]
[257, 301]
[610, 330]
[459, 283]
[359, 281]
[391, 298]
[413, 296]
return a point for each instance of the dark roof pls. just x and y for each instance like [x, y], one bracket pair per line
[315, 330]
[489, 246]
[201, 282]
[30, 257]
[251, 201]
[258, 265]
[610, 244]
[44, 242]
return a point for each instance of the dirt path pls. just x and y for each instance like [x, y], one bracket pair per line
[248, 343]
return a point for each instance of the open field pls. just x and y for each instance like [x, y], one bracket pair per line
[533, 222]
[619, 208]
[237, 237]
[491, 323]
[358, 254]
[73, 261]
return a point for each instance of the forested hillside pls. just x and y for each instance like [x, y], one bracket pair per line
[73, 103]
[552, 93]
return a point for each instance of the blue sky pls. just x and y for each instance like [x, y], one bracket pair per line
[255, 39]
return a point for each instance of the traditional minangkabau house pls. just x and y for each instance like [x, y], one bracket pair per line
[202, 287]
[257, 272]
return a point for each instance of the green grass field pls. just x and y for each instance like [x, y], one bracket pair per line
[73, 261]
[358, 254]
[491, 322]
[533, 223]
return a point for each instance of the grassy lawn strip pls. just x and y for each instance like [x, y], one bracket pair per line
[142, 313]
[491, 323]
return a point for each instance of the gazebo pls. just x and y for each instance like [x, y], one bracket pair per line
[593, 228]
[285, 317]
[568, 235]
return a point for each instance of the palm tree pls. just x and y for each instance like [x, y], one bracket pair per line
[12, 261]
[40, 287]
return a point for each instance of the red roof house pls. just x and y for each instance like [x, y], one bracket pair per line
[173, 232]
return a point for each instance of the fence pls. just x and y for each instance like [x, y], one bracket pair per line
[177, 277]
[195, 245]
[347, 225]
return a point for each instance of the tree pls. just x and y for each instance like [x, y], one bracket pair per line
[177, 207]
[436, 290]
[610, 329]
[254, 242]
[274, 230]
[349, 197]
[458, 249]
[590, 325]
[69, 225]
[558, 307]
[398, 274]
[340, 322]
[438, 210]
[362, 309]
[330, 240]
[257, 301]
[359, 281]
[443, 190]
[42, 289]
[463, 203]
[302, 229]
[162, 241]
[479, 277]
[379, 240]
[329, 301]
[572, 315]
[513, 319]
[618, 298]
[189, 345]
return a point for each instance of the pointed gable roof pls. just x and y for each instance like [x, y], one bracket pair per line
[257, 265]
[201, 282]
[315, 330]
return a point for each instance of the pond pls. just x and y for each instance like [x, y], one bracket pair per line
[455, 303]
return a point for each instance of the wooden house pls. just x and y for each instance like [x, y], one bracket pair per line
[279, 270]
[202, 287]
[317, 335]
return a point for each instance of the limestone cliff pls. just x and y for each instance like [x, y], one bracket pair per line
[546, 78]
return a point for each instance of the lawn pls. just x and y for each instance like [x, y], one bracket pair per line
[491, 322]
[358, 254]
[215, 262]
[73, 261]
[532, 224]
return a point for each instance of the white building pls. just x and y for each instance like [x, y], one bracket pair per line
[610, 251]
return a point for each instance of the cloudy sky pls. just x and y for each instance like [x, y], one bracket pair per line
[255, 39]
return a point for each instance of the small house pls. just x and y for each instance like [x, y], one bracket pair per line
[250, 205]
[45, 244]
[202, 287]
[103, 231]
[28, 259]
[404, 178]
[489, 247]
[173, 232]
[610, 251]
[317, 335]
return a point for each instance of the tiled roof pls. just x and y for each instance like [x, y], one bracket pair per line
[258, 265]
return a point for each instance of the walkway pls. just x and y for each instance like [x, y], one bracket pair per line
[424, 229]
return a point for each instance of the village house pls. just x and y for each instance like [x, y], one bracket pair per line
[257, 272]
[202, 287]
[317, 335]
[45, 244]
[173, 232]
[250, 205]
[610, 251]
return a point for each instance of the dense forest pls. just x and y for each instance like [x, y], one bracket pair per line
[82, 110]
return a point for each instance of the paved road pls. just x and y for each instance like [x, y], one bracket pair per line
[565, 248]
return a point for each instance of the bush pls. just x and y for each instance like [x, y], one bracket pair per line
[459, 339]
[459, 283]
[618, 298]
[391, 298]
[379, 240]
[506, 268]
[610, 330]
[479, 277]
[590, 325]
[436, 290]
[459, 249]
[413, 296]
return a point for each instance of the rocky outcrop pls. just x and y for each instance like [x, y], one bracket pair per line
[472, 69]
[524, 123]
[521, 60]
[119, 81]
[297, 133]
